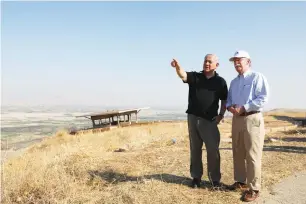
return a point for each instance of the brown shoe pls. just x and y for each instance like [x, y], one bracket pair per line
[238, 185]
[250, 195]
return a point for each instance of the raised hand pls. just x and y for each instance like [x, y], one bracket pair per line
[180, 71]
[175, 64]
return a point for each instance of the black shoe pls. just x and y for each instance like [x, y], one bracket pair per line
[216, 184]
[196, 183]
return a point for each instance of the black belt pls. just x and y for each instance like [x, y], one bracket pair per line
[249, 113]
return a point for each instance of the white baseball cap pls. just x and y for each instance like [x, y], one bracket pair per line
[240, 54]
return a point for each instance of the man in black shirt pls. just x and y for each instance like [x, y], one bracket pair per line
[206, 88]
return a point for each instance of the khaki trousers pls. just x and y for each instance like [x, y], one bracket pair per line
[248, 134]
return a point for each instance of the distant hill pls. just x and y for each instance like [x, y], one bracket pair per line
[287, 110]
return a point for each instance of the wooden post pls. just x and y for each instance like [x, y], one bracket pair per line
[129, 118]
[136, 118]
[118, 119]
[93, 123]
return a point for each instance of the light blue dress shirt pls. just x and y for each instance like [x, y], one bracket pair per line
[250, 90]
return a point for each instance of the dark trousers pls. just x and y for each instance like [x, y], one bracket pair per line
[202, 130]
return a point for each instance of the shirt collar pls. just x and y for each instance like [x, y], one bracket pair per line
[245, 74]
[215, 75]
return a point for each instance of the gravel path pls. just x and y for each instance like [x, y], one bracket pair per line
[290, 190]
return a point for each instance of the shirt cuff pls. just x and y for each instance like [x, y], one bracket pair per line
[247, 107]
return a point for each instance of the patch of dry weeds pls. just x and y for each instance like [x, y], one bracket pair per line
[153, 169]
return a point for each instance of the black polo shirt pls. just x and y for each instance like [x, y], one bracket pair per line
[204, 94]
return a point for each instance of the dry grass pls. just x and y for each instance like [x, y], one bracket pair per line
[153, 169]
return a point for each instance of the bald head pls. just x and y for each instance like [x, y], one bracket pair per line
[211, 63]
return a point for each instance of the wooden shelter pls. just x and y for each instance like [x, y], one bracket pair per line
[113, 117]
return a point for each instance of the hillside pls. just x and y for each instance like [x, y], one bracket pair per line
[140, 164]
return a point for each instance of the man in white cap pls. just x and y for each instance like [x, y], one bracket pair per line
[248, 93]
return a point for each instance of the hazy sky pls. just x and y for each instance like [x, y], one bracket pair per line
[115, 53]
